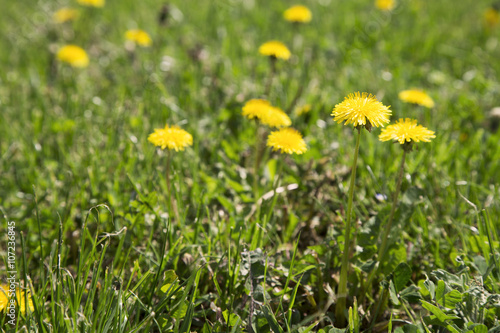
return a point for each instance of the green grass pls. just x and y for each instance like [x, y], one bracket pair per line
[96, 245]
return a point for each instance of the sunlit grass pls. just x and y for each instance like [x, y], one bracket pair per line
[251, 245]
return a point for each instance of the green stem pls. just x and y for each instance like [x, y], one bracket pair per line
[256, 164]
[387, 229]
[276, 180]
[272, 62]
[342, 288]
[169, 187]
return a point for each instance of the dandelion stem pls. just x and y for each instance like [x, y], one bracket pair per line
[295, 35]
[169, 188]
[342, 287]
[275, 184]
[256, 163]
[387, 229]
[272, 62]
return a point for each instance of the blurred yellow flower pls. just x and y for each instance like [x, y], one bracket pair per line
[20, 299]
[359, 108]
[306, 108]
[416, 96]
[491, 17]
[298, 13]
[288, 140]
[73, 55]
[275, 117]
[65, 15]
[275, 49]
[171, 137]
[266, 113]
[406, 130]
[385, 4]
[139, 37]
[256, 108]
[92, 3]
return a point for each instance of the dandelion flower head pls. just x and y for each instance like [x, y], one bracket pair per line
[171, 137]
[491, 17]
[92, 3]
[358, 108]
[385, 4]
[288, 140]
[20, 298]
[416, 96]
[266, 113]
[73, 55]
[275, 49]
[65, 15]
[406, 130]
[139, 37]
[256, 108]
[275, 117]
[300, 14]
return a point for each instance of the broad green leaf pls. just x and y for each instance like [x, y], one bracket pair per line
[452, 298]
[402, 275]
[271, 320]
[477, 328]
[440, 291]
[480, 329]
[395, 255]
[170, 278]
[449, 278]
[409, 328]
[431, 287]
[423, 289]
[447, 299]
[180, 311]
[393, 293]
[235, 185]
[231, 319]
[293, 220]
[309, 328]
[337, 330]
[225, 203]
[228, 149]
[443, 317]
[410, 294]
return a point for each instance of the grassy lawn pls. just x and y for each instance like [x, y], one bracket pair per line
[114, 234]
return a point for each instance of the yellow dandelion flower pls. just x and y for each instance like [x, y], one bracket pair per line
[385, 4]
[303, 109]
[288, 140]
[359, 108]
[139, 37]
[172, 137]
[73, 55]
[491, 17]
[20, 299]
[65, 15]
[266, 113]
[300, 14]
[256, 108]
[416, 96]
[275, 49]
[92, 3]
[275, 117]
[406, 130]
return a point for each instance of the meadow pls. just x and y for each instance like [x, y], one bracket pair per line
[221, 233]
